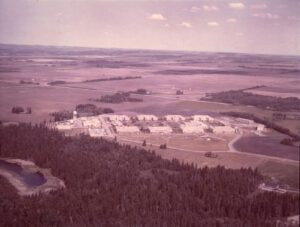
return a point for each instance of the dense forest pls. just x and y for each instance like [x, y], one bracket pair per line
[118, 97]
[62, 115]
[245, 98]
[108, 184]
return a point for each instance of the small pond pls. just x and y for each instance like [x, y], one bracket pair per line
[31, 179]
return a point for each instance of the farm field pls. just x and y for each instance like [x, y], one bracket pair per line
[161, 72]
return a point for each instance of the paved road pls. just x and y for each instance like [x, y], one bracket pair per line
[231, 148]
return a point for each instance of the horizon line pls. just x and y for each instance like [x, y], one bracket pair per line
[145, 49]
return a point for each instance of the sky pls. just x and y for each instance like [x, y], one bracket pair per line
[246, 26]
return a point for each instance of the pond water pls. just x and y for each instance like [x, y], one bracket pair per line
[31, 179]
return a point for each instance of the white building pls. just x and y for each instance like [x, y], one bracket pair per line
[118, 117]
[160, 129]
[202, 118]
[78, 123]
[223, 129]
[260, 127]
[63, 126]
[116, 123]
[191, 129]
[131, 129]
[91, 123]
[96, 132]
[174, 118]
[196, 124]
[147, 118]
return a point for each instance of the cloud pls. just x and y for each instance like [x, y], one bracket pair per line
[236, 5]
[259, 6]
[281, 6]
[293, 18]
[231, 20]
[185, 24]
[213, 24]
[156, 17]
[239, 34]
[210, 8]
[266, 15]
[167, 25]
[59, 14]
[195, 9]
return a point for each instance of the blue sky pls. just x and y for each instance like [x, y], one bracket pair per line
[249, 26]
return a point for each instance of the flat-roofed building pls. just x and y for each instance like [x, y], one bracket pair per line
[78, 123]
[116, 117]
[174, 118]
[191, 129]
[131, 129]
[96, 132]
[223, 129]
[160, 129]
[91, 123]
[147, 118]
[117, 123]
[63, 126]
[196, 124]
[202, 118]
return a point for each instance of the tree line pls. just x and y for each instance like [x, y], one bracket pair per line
[113, 78]
[118, 97]
[240, 97]
[92, 109]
